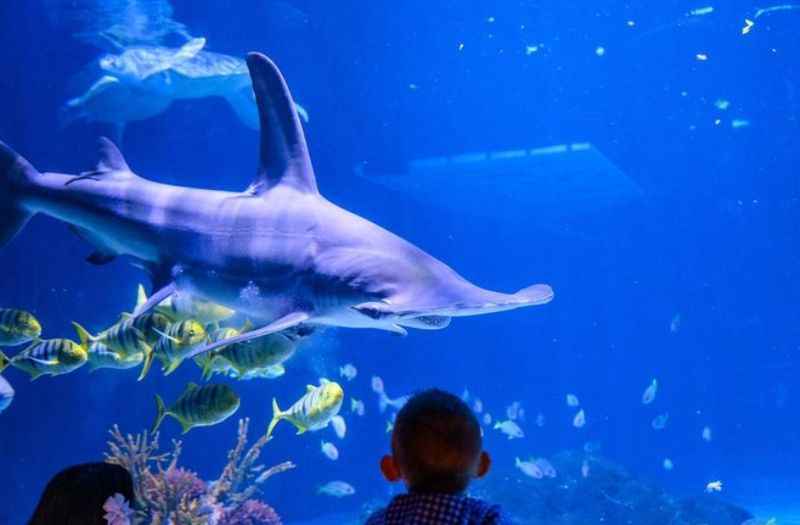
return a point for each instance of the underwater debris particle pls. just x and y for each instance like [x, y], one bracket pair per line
[460, 46]
[413, 87]
[630, 23]
[600, 51]
[490, 20]
[739, 123]
[706, 434]
[701, 11]
[748, 25]
[702, 57]
[722, 104]
[660, 421]
[675, 323]
[532, 49]
[667, 464]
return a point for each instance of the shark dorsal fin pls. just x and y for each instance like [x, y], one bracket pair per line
[284, 154]
[111, 158]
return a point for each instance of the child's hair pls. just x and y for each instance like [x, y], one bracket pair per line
[75, 496]
[437, 442]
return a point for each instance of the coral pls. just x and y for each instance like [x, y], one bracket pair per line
[166, 493]
[251, 512]
[118, 512]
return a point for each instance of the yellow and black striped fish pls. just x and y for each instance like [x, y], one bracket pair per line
[210, 362]
[178, 340]
[258, 354]
[18, 327]
[49, 357]
[101, 356]
[314, 410]
[182, 306]
[199, 406]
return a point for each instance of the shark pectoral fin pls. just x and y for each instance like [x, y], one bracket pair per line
[155, 299]
[283, 149]
[536, 294]
[102, 253]
[287, 321]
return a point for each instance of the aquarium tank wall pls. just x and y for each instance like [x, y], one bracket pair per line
[236, 236]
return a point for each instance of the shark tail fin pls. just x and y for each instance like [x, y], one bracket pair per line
[15, 173]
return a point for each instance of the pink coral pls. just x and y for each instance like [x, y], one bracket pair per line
[118, 512]
[251, 512]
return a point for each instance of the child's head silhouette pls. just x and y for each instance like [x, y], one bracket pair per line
[436, 445]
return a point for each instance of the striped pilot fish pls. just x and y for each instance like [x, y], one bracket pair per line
[48, 357]
[178, 340]
[18, 327]
[183, 307]
[313, 411]
[257, 354]
[130, 336]
[199, 406]
[101, 356]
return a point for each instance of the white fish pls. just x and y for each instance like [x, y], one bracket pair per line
[6, 394]
[702, 57]
[540, 420]
[529, 468]
[330, 450]
[738, 123]
[339, 426]
[478, 406]
[572, 400]
[649, 394]
[675, 323]
[546, 467]
[660, 421]
[487, 419]
[585, 469]
[706, 434]
[384, 400]
[512, 410]
[337, 489]
[722, 104]
[357, 406]
[667, 464]
[348, 371]
[714, 486]
[579, 420]
[510, 429]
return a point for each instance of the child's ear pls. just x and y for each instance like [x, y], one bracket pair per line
[484, 464]
[389, 469]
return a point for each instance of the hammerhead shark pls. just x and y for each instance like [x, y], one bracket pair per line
[279, 252]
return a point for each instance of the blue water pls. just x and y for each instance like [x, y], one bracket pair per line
[713, 237]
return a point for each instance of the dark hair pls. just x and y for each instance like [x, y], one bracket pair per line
[75, 496]
[437, 442]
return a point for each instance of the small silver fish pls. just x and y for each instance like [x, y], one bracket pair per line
[510, 429]
[649, 394]
[579, 420]
[330, 450]
[337, 489]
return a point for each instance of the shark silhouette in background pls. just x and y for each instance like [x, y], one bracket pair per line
[279, 252]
